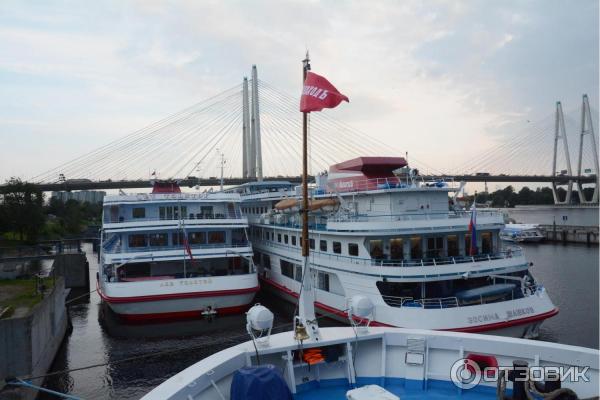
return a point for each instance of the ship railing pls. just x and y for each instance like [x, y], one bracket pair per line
[436, 261]
[191, 217]
[420, 216]
[453, 301]
[505, 254]
[391, 182]
[178, 247]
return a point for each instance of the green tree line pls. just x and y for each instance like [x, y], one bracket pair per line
[26, 217]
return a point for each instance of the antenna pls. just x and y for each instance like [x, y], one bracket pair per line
[223, 161]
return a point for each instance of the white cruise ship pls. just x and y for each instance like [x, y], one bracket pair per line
[377, 231]
[173, 255]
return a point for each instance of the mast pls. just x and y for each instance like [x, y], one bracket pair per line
[306, 323]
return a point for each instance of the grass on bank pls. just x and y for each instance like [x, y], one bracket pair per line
[20, 294]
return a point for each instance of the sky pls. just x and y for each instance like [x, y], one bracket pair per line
[443, 80]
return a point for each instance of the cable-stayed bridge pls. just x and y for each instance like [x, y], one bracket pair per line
[253, 131]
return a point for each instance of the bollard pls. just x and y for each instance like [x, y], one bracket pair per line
[519, 377]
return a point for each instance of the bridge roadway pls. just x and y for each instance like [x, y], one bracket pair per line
[83, 184]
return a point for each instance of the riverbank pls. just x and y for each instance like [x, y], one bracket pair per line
[29, 343]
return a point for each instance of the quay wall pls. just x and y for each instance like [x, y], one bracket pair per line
[29, 344]
[564, 223]
[74, 268]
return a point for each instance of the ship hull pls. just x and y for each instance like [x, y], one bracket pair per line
[527, 327]
[185, 304]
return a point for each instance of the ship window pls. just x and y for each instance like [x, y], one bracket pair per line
[273, 236]
[323, 281]
[287, 268]
[216, 237]
[266, 261]
[452, 245]
[376, 248]
[285, 239]
[294, 240]
[207, 212]
[323, 245]
[337, 247]
[416, 251]
[486, 242]
[158, 239]
[396, 249]
[352, 250]
[177, 238]
[138, 241]
[468, 244]
[435, 246]
[298, 273]
[198, 237]
[279, 237]
[138, 212]
[311, 243]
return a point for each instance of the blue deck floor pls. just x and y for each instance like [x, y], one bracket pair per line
[438, 391]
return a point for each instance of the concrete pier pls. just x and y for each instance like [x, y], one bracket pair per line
[563, 223]
[28, 344]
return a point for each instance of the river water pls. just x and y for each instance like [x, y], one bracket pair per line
[140, 357]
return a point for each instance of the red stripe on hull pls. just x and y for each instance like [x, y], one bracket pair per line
[469, 329]
[174, 296]
[181, 314]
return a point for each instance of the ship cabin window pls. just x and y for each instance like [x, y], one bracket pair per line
[311, 243]
[138, 212]
[207, 212]
[396, 248]
[158, 239]
[273, 236]
[138, 241]
[323, 245]
[376, 248]
[171, 212]
[416, 250]
[294, 240]
[285, 239]
[266, 261]
[279, 237]
[486, 243]
[323, 281]
[197, 238]
[287, 268]
[468, 244]
[452, 245]
[216, 237]
[337, 247]
[435, 247]
[352, 250]
[298, 273]
[177, 238]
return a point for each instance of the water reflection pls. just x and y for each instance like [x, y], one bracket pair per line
[142, 356]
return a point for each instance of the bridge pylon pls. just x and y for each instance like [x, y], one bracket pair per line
[561, 133]
[587, 129]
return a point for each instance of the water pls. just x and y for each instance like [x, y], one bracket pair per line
[569, 272]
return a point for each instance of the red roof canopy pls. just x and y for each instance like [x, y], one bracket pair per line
[371, 166]
[165, 187]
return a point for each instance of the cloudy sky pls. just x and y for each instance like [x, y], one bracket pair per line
[440, 79]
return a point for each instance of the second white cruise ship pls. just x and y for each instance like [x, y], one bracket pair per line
[376, 230]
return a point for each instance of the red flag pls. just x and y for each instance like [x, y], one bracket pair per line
[319, 93]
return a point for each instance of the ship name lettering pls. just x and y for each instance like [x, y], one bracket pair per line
[517, 312]
[483, 318]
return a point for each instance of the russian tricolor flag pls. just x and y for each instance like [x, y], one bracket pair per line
[473, 230]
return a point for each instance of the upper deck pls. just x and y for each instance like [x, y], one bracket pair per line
[151, 210]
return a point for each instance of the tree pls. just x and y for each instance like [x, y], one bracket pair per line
[22, 207]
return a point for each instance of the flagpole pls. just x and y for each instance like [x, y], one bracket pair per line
[305, 323]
